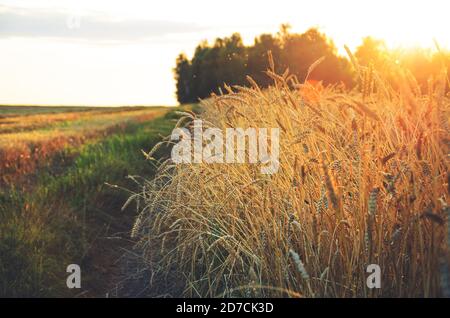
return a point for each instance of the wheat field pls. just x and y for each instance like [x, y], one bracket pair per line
[363, 179]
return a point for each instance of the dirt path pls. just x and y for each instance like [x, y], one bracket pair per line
[102, 265]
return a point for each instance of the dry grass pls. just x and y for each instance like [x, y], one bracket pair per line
[30, 140]
[363, 180]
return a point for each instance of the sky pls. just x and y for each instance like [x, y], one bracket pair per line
[112, 53]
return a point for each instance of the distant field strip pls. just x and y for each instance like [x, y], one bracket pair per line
[30, 139]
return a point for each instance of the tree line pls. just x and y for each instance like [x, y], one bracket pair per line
[229, 61]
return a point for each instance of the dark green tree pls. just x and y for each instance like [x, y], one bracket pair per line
[228, 61]
[258, 61]
[301, 50]
[183, 80]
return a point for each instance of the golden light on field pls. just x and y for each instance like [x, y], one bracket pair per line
[308, 156]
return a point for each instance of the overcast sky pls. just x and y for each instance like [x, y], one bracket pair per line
[106, 52]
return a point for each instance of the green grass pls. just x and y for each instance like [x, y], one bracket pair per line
[13, 110]
[107, 161]
[34, 110]
[54, 224]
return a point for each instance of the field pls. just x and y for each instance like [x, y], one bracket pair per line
[363, 180]
[57, 202]
[29, 139]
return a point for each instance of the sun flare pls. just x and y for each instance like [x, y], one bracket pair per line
[153, 35]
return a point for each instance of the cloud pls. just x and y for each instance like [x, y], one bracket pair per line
[21, 22]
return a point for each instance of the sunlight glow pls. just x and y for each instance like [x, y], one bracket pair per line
[48, 70]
